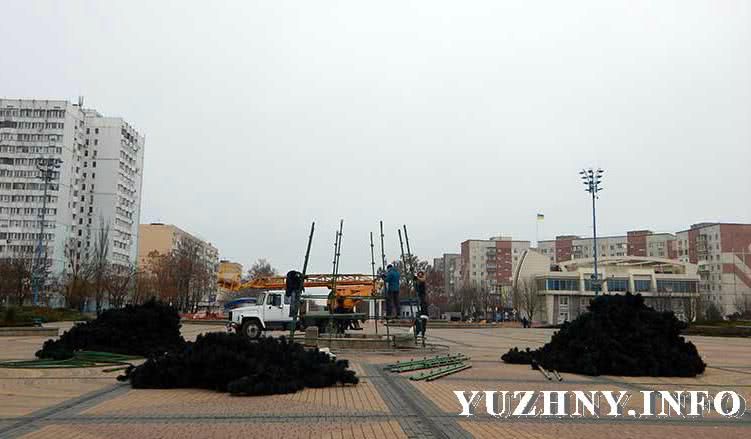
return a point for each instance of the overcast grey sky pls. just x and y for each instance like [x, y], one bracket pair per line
[461, 119]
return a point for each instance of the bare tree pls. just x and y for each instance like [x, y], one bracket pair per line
[98, 265]
[203, 284]
[261, 268]
[527, 298]
[485, 300]
[185, 265]
[161, 274]
[742, 304]
[119, 280]
[468, 296]
[75, 282]
[690, 308]
[143, 287]
[663, 300]
[713, 312]
[15, 278]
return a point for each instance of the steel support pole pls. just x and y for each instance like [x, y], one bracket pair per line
[594, 239]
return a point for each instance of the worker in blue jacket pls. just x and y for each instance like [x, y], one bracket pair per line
[391, 277]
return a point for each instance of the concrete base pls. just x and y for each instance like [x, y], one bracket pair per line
[363, 342]
[443, 324]
[23, 331]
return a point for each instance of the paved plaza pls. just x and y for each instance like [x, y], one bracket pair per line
[88, 403]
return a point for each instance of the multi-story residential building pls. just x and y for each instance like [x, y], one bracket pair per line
[112, 177]
[98, 180]
[489, 264]
[722, 252]
[634, 243]
[565, 289]
[452, 272]
[162, 239]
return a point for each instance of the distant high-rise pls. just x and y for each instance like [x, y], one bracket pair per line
[488, 264]
[722, 252]
[99, 180]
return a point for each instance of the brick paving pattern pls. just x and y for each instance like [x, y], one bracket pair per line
[87, 403]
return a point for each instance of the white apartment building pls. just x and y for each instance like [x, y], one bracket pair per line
[99, 177]
[489, 263]
[643, 243]
[722, 252]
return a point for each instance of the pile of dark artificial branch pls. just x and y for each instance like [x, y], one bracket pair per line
[141, 330]
[619, 335]
[232, 363]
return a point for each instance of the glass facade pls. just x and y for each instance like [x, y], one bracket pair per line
[642, 285]
[620, 285]
[676, 286]
[562, 284]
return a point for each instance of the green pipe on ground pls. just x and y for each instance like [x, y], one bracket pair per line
[79, 359]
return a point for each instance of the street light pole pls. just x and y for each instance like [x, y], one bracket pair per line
[592, 179]
[48, 168]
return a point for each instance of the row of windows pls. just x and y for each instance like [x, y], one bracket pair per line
[125, 190]
[4, 224]
[122, 223]
[18, 149]
[27, 198]
[129, 170]
[31, 112]
[26, 137]
[28, 186]
[127, 158]
[621, 285]
[19, 173]
[561, 284]
[124, 213]
[18, 236]
[120, 245]
[676, 286]
[18, 249]
[27, 125]
[26, 211]
[20, 161]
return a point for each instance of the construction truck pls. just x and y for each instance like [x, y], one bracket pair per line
[272, 307]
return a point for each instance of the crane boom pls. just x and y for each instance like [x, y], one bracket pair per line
[311, 281]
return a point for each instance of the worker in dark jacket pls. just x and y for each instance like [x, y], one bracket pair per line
[421, 288]
[391, 277]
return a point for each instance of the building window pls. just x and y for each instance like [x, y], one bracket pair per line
[562, 284]
[617, 285]
[676, 286]
[642, 285]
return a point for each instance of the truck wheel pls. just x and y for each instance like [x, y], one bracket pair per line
[251, 329]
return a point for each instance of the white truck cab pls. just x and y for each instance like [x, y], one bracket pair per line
[271, 311]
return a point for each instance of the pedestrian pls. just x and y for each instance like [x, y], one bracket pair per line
[421, 288]
[524, 321]
[422, 293]
[391, 278]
